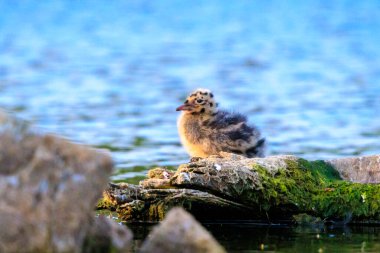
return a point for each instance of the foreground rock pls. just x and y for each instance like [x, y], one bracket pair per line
[48, 188]
[267, 189]
[105, 235]
[180, 232]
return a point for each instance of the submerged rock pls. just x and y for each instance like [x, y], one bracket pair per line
[180, 232]
[233, 187]
[48, 188]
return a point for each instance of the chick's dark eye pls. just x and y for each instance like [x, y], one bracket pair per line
[199, 101]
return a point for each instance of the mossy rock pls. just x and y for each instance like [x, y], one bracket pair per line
[273, 188]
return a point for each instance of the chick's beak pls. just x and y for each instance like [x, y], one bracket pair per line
[184, 107]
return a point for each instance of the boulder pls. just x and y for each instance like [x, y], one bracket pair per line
[180, 232]
[48, 189]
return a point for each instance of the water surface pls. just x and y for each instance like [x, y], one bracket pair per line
[111, 75]
[280, 238]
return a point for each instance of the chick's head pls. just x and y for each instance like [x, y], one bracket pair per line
[199, 102]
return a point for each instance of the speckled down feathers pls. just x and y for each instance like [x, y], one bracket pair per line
[224, 131]
[205, 130]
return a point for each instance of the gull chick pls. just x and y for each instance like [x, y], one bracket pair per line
[204, 130]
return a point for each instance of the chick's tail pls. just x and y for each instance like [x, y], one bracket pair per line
[257, 150]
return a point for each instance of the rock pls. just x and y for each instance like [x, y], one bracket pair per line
[105, 235]
[233, 187]
[133, 203]
[154, 183]
[160, 173]
[180, 232]
[233, 176]
[158, 178]
[365, 169]
[48, 188]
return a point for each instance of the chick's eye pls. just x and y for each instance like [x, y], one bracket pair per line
[199, 101]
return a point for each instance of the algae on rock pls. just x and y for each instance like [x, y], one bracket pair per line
[235, 187]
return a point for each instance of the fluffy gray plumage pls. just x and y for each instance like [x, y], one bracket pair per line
[205, 130]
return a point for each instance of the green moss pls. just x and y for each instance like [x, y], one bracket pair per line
[158, 210]
[306, 219]
[316, 188]
[344, 199]
[292, 187]
[105, 203]
[320, 169]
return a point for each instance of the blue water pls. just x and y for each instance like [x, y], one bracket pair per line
[307, 73]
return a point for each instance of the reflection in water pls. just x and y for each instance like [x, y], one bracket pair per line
[279, 238]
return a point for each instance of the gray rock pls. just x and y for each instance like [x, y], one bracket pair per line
[48, 190]
[364, 169]
[105, 235]
[180, 232]
[231, 175]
